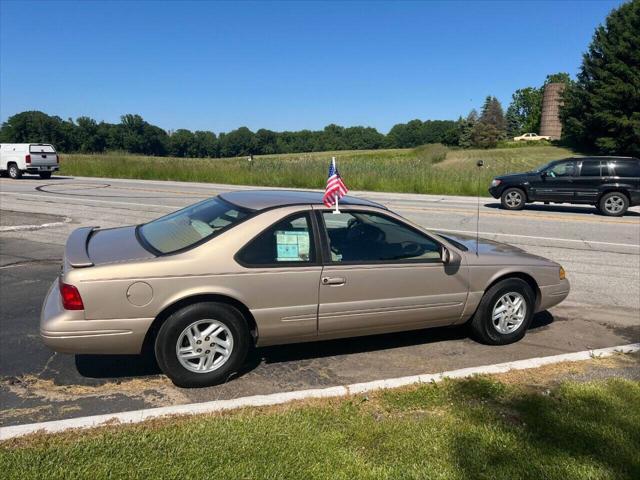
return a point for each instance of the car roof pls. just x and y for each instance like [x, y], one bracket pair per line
[603, 157]
[265, 199]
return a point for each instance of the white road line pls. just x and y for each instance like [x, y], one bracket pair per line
[21, 228]
[279, 398]
[472, 232]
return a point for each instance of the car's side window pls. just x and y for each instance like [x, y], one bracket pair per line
[369, 237]
[590, 168]
[625, 169]
[562, 169]
[288, 242]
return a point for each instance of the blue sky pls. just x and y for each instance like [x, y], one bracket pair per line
[217, 66]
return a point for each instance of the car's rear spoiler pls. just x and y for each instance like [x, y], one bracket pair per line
[76, 249]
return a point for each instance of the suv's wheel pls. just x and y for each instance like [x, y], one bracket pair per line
[202, 344]
[45, 175]
[504, 313]
[513, 199]
[613, 204]
[14, 171]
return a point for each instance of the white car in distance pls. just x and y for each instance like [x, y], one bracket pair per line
[37, 158]
[531, 137]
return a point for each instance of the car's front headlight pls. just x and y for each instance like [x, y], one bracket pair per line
[496, 182]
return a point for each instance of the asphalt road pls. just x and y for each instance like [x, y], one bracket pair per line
[600, 254]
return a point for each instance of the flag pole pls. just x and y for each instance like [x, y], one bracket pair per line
[335, 195]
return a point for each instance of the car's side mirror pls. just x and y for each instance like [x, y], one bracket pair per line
[448, 257]
[544, 174]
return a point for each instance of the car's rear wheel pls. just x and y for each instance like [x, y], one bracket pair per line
[504, 313]
[14, 171]
[513, 199]
[202, 344]
[45, 175]
[613, 204]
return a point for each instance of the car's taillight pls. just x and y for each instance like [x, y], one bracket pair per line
[71, 299]
[57, 158]
[27, 158]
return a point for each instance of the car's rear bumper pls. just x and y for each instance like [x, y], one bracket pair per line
[42, 168]
[551, 295]
[67, 331]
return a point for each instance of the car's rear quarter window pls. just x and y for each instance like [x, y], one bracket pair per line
[625, 168]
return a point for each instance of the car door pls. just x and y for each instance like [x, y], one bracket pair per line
[556, 182]
[381, 274]
[588, 181]
[283, 272]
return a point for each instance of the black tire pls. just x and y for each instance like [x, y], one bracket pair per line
[14, 171]
[613, 204]
[513, 199]
[45, 175]
[173, 327]
[482, 325]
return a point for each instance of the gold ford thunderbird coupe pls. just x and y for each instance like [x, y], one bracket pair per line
[203, 285]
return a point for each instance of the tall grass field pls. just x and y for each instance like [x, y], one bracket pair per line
[426, 169]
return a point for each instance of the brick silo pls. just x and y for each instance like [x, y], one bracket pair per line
[551, 101]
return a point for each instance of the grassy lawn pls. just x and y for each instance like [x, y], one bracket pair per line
[476, 428]
[427, 169]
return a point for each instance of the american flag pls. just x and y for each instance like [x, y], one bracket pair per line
[335, 186]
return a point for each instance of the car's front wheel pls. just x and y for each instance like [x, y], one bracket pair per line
[513, 199]
[202, 344]
[613, 204]
[504, 313]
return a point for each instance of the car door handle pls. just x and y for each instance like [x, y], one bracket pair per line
[334, 280]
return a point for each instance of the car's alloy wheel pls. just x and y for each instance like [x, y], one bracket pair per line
[204, 346]
[509, 312]
[504, 313]
[614, 204]
[513, 199]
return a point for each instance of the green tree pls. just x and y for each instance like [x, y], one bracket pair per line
[139, 136]
[492, 126]
[205, 144]
[266, 142]
[35, 126]
[90, 136]
[466, 128]
[602, 109]
[560, 77]
[181, 143]
[524, 112]
[237, 143]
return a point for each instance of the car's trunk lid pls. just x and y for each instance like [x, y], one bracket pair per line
[89, 246]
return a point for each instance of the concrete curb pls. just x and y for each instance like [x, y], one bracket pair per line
[137, 416]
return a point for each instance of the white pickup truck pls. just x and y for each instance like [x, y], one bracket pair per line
[37, 158]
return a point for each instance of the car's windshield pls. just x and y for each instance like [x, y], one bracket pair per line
[190, 225]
